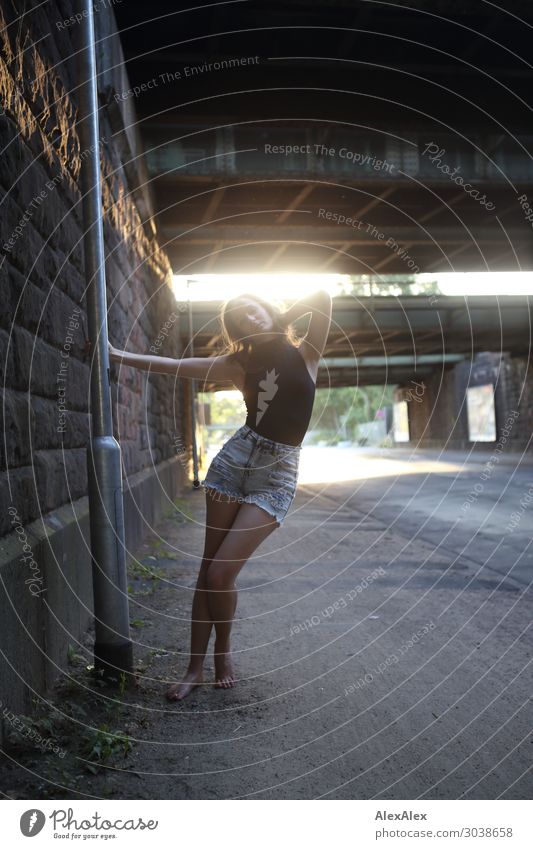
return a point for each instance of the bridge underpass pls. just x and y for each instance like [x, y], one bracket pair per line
[389, 340]
[342, 137]
[344, 200]
[358, 138]
[394, 86]
[382, 81]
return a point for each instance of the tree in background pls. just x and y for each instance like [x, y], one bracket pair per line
[390, 284]
[227, 407]
[338, 411]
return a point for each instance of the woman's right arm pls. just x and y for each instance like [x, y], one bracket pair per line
[214, 368]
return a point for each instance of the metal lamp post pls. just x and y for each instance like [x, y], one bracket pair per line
[113, 652]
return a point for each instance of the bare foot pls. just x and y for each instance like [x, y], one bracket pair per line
[178, 691]
[224, 671]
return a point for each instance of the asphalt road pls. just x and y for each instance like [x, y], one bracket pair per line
[382, 643]
[381, 640]
[479, 506]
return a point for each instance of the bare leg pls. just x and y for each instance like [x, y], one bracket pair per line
[220, 514]
[251, 526]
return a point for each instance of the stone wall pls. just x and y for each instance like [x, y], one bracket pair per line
[438, 411]
[43, 326]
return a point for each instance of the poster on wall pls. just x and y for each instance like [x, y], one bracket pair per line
[400, 421]
[481, 413]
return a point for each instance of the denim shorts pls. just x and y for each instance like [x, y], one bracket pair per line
[255, 470]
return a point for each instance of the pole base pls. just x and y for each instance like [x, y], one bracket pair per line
[112, 660]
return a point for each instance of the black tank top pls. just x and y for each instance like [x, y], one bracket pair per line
[278, 390]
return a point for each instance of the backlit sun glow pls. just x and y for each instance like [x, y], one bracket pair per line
[291, 286]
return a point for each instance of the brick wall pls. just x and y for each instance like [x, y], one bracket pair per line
[43, 321]
[438, 411]
[44, 511]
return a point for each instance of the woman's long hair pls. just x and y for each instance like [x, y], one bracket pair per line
[230, 333]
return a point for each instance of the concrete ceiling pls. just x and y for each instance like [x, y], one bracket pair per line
[380, 81]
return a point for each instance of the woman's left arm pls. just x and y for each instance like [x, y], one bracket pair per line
[319, 304]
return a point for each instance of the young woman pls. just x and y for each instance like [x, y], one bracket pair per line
[251, 482]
